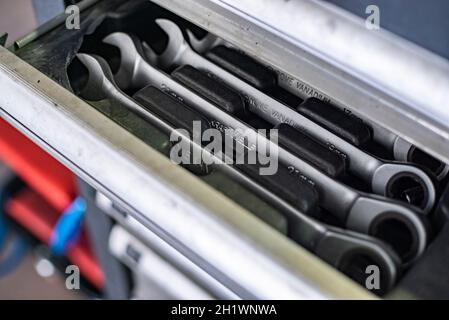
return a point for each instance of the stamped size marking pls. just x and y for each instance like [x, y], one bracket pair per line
[300, 175]
[234, 134]
[349, 112]
[170, 92]
[334, 149]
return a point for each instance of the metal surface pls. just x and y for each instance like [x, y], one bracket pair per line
[401, 149]
[162, 248]
[345, 203]
[98, 226]
[377, 173]
[145, 261]
[380, 76]
[334, 245]
[94, 147]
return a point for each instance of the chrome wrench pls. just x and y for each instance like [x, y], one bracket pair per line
[206, 43]
[338, 247]
[405, 151]
[360, 212]
[384, 178]
[401, 149]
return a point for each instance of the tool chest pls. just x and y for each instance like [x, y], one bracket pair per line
[358, 202]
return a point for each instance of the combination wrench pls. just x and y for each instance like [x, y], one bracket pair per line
[358, 211]
[405, 151]
[393, 180]
[341, 248]
[203, 45]
[401, 149]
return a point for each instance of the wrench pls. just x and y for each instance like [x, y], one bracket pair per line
[405, 151]
[336, 246]
[206, 43]
[402, 150]
[360, 212]
[200, 45]
[384, 178]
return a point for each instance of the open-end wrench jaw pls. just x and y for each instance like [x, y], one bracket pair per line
[205, 44]
[150, 55]
[175, 47]
[100, 79]
[131, 52]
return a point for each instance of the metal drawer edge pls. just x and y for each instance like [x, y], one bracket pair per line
[171, 202]
[330, 51]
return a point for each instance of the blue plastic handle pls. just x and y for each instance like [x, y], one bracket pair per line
[67, 229]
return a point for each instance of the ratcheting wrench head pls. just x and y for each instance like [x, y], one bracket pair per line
[352, 252]
[407, 152]
[406, 183]
[404, 228]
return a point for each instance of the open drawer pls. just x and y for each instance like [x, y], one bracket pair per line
[209, 222]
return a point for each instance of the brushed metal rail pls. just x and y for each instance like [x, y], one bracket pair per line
[192, 217]
[321, 47]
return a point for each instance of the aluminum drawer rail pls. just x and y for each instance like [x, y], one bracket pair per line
[249, 257]
[323, 48]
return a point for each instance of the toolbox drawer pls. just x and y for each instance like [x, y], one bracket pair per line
[200, 219]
